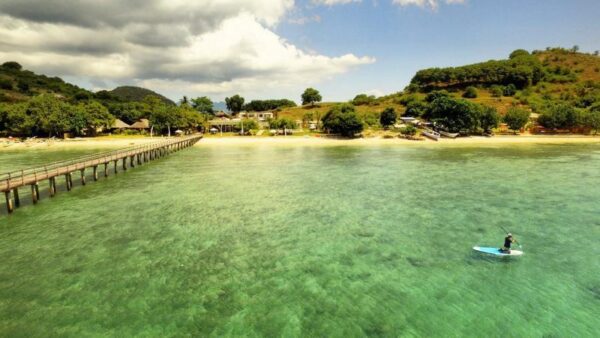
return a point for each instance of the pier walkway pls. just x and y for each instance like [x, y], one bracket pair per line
[136, 155]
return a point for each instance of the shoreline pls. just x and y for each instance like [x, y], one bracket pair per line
[375, 141]
[107, 142]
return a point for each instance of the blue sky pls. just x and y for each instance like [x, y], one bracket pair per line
[406, 39]
[276, 48]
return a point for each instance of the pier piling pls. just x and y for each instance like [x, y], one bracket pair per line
[69, 181]
[9, 202]
[52, 182]
[35, 192]
[16, 197]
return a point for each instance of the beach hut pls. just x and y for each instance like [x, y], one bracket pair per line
[119, 125]
[143, 124]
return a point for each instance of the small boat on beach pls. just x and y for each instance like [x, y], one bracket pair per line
[431, 134]
[448, 135]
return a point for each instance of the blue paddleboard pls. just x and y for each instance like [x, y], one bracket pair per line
[496, 251]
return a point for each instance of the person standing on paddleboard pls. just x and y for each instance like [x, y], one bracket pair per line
[508, 240]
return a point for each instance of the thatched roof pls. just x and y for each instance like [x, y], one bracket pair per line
[141, 124]
[118, 124]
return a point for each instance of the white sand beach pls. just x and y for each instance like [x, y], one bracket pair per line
[118, 142]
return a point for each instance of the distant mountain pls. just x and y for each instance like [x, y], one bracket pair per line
[131, 93]
[220, 106]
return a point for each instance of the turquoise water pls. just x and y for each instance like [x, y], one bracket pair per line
[312, 241]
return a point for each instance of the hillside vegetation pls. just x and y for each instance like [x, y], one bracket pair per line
[134, 94]
[529, 81]
[17, 84]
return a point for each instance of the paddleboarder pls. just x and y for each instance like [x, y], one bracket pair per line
[508, 240]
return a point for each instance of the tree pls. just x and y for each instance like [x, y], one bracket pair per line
[6, 84]
[516, 119]
[592, 119]
[96, 116]
[363, 99]
[23, 86]
[489, 118]
[311, 96]
[184, 101]
[12, 65]
[282, 123]
[436, 95]
[83, 96]
[496, 91]
[510, 90]
[415, 108]
[17, 121]
[517, 53]
[161, 115]
[409, 130]
[164, 117]
[388, 117]
[234, 103]
[575, 49]
[307, 118]
[560, 116]
[203, 104]
[49, 114]
[264, 105]
[342, 119]
[470, 93]
[456, 115]
[129, 112]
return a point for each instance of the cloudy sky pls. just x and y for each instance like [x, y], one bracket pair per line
[276, 48]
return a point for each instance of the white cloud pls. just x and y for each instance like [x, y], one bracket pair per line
[333, 2]
[217, 47]
[303, 20]
[426, 3]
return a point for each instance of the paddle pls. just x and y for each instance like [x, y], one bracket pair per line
[507, 232]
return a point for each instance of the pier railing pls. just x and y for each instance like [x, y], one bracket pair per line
[19, 178]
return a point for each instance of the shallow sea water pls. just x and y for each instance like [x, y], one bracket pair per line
[335, 241]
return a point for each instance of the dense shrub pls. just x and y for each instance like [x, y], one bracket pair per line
[497, 91]
[343, 120]
[521, 71]
[516, 118]
[6, 84]
[560, 116]
[363, 99]
[470, 93]
[388, 117]
[264, 105]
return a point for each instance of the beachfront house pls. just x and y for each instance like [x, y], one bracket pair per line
[259, 116]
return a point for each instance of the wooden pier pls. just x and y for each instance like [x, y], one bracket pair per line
[127, 157]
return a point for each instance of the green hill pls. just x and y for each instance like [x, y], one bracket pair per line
[17, 84]
[136, 94]
[528, 80]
